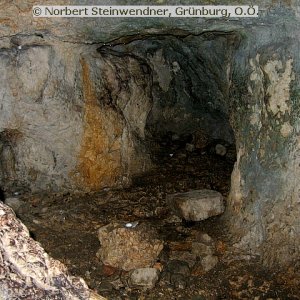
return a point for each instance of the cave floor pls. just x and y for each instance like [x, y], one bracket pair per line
[66, 225]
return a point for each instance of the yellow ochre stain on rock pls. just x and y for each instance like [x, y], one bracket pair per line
[99, 161]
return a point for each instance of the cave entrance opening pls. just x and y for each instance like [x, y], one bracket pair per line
[187, 130]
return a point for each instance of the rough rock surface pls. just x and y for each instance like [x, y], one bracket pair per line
[209, 262]
[26, 271]
[245, 70]
[144, 277]
[196, 205]
[128, 248]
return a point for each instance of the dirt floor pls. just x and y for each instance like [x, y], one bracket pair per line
[66, 226]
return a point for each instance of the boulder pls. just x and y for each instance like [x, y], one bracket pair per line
[129, 248]
[196, 205]
[220, 150]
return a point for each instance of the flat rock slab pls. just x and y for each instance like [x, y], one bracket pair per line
[196, 205]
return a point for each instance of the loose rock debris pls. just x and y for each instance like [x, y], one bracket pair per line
[186, 259]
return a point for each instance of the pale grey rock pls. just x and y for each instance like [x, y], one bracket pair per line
[175, 137]
[144, 277]
[189, 147]
[201, 250]
[209, 262]
[220, 150]
[205, 238]
[196, 205]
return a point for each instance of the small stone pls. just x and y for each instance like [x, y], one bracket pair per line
[209, 262]
[144, 277]
[117, 284]
[220, 150]
[189, 147]
[184, 256]
[173, 219]
[178, 281]
[175, 137]
[160, 211]
[221, 247]
[196, 205]
[44, 210]
[178, 267]
[200, 139]
[158, 266]
[201, 250]
[14, 203]
[105, 286]
[108, 270]
[203, 238]
[206, 238]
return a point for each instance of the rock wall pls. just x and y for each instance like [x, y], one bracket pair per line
[60, 129]
[264, 196]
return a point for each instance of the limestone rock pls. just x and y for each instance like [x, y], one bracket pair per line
[145, 277]
[201, 250]
[220, 150]
[26, 269]
[128, 248]
[178, 267]
[184, 256]
[200, 139]
[189, 147]
[196, 205]
[209, 262]
[178, 281]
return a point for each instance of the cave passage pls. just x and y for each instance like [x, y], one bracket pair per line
[170, 96]
[187, 131]
[189, 140]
